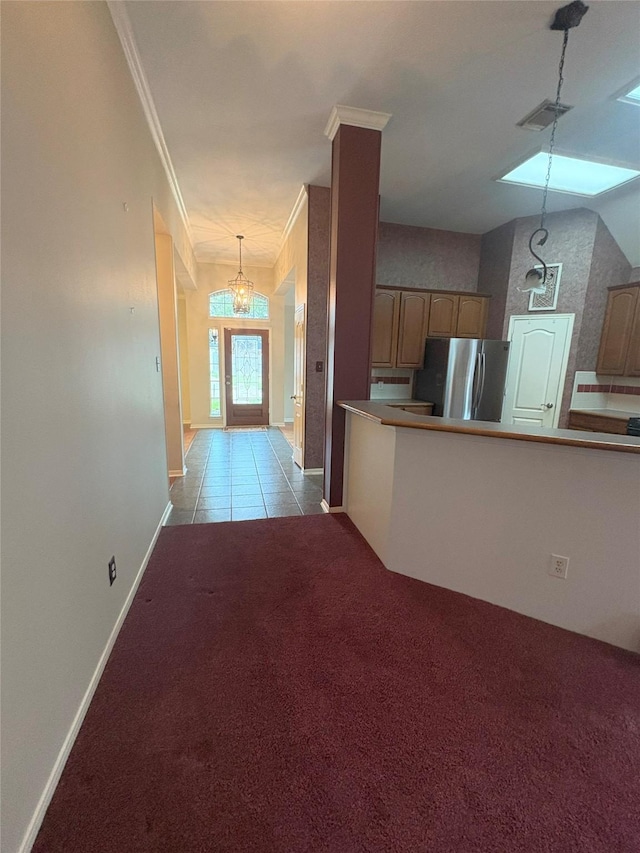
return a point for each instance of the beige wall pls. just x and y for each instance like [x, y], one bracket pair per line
[84, 473]
[212, 277]
[292, 265]
[168, 314]
[293, 256]
[183, 348]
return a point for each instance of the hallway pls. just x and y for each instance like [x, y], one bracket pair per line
[236, 476]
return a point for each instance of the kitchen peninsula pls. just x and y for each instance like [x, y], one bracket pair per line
[480, 508]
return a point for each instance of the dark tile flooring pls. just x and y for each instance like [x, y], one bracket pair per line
[234, 476]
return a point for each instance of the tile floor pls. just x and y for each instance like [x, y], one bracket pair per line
[235, 476]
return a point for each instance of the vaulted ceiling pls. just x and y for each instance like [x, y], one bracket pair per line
[243, 91]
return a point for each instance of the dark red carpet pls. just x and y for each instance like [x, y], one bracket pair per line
[275, 689]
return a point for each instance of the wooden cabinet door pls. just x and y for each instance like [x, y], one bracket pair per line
[472, 316]
[386, 316]
[443, 315]
[414, 315]
[426, 409]
[616, 332]
[597, 423]
[632, 364]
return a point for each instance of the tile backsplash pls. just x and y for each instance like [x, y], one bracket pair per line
[591, 391]
[391, 383]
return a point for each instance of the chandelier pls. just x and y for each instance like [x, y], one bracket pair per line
[240, 286]
[565, 19]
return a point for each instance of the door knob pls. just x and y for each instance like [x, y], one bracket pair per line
[547, 405]
[293, 397]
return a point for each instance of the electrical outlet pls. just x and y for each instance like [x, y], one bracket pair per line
[112, 570]
[558, 566]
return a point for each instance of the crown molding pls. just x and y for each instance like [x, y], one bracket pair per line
[356, 117]
[125, 32]
[293, 216]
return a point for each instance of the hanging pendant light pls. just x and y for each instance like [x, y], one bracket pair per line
[566, 18]
[240, 286]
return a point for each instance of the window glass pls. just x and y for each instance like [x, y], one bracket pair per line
[246, 366]
[214, 373]
[221, 305]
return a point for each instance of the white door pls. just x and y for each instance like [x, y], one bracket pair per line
[298, 386]
[537, 369]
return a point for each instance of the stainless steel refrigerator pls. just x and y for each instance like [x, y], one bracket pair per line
[464, 377]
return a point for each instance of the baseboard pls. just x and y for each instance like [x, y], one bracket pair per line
[313, 470]
[326, 508]
[54, 777]
[179, 472]
[207, 426]
[278, 423]
[288, 421]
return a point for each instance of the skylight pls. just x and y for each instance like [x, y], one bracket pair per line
[569, 174]
[632, 97]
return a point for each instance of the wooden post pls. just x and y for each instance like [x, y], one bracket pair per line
[355, 177]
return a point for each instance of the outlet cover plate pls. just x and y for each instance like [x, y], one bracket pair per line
[558, 566]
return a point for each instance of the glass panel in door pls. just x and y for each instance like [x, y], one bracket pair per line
[247, 377]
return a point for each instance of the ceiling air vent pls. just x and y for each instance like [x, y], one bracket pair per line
[542, 116]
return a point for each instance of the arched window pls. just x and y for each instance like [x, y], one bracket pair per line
[221, 305]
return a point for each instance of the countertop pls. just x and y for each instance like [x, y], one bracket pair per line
[382, 412]
[396, 401]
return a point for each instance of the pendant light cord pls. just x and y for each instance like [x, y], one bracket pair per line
[552, 139]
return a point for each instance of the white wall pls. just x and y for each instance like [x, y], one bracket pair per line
[84, 472]
[368, 482]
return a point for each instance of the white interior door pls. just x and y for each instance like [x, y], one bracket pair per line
[298, 385]
[537, 369]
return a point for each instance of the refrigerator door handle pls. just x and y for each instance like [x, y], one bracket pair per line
[483, 374]
[477, 379]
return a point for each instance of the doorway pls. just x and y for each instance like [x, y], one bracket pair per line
[168, 362]
[537, 368]
[246, 359]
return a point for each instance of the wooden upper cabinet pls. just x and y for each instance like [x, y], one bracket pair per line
[403, 319]
[472, 316]
[443, 316]
[616, 332]
[632, 365]
[414, 316]
[386, 316]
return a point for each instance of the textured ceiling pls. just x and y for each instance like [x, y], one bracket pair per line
[243, 91]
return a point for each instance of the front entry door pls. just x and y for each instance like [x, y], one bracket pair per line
[298, 385]
[246, 364]
[537, 369]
